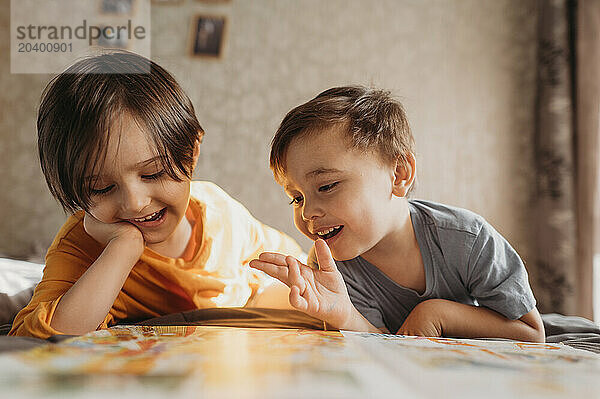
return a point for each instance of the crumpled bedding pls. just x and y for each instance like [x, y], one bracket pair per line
[574, 331]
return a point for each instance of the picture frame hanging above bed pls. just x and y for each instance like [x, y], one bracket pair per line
[208, 35]
[167, 2]
[117, 7]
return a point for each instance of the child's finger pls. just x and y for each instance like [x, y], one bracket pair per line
[278, 272]
[324, 258]
[294, 274]
[296, 299]
[273, 257]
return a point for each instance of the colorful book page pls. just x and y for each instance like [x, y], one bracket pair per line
[462, 368]
[224, 362]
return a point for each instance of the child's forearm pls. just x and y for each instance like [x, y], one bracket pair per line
[89, 300]
[465, 321]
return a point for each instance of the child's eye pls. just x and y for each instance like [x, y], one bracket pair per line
[296, 200]
[101, 191]
[154, 176]
[328, 187]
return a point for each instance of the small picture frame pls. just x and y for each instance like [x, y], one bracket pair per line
[117, 7]
[208, 34]
[166, 2]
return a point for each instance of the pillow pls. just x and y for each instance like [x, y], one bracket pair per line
[17, 282]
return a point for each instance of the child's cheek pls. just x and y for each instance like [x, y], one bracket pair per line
[300, 223]
[101, 210]
[175, 190]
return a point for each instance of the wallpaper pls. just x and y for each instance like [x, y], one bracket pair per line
[464, 70]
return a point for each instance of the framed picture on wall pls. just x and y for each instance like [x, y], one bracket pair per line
[208, 35]
[167, 2]
[118, 7]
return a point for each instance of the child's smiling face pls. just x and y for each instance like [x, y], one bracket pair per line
[133, 187]
[343, 195]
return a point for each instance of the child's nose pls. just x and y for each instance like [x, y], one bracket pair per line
[311, 210]
[134, 199]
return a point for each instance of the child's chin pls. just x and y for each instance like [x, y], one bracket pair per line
[151, 239]
[342, 255]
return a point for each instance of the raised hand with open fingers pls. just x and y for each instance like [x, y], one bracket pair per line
[319, 293]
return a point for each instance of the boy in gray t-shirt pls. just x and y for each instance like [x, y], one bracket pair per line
[381, 262]
[457, 247]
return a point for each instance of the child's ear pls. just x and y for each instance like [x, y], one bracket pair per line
[404, 175]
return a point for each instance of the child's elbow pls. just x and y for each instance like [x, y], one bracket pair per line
[537, 335]
[535, 331]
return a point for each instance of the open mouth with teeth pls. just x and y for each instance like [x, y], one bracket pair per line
[330, 232]
[152, 217]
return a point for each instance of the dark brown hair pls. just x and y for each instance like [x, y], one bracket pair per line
[80, 105]
[374, 120]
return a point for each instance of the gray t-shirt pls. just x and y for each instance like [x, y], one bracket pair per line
[465, 259]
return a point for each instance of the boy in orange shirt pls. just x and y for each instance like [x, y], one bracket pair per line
[118, 142]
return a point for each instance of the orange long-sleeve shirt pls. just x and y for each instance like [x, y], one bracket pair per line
[212, 272]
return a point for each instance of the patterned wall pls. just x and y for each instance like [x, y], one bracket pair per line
[464, 69]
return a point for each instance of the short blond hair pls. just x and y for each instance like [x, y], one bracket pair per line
[374, 119]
